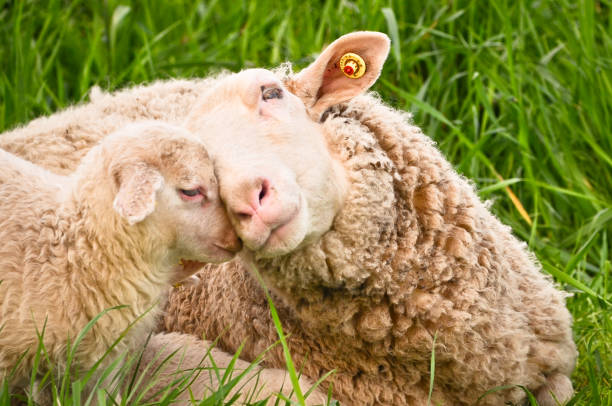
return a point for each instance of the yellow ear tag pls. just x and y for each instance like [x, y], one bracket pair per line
[352, 65]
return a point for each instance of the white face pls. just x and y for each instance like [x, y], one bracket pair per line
[278, 180]
[165, 186]
[167, 182]
[201, 226]
[192, 215]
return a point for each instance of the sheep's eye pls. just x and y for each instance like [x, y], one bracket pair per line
[190, 192]
[271, 93]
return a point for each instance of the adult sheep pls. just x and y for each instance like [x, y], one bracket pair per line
[371, 243]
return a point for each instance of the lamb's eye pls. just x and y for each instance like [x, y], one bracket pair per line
[271, 93]
[190, 193]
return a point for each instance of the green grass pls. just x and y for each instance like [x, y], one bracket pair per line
[127, 379]
[518, 94]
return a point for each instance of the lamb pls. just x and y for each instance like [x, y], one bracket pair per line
[141, 212]
[370, 242]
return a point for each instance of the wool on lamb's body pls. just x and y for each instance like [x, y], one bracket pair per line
[411, 254]
[72, 247]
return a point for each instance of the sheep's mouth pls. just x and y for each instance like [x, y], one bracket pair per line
[284, 238]
[280, 233]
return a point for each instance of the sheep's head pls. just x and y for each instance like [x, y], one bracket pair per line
[164, 186]
[278, 176]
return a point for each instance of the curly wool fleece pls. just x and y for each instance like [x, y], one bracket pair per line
[432, 261]
[413, 255]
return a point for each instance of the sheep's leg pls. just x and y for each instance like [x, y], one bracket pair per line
[558, 384]
[192, 353]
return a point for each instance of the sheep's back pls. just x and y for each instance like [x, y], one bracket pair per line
[30, 233]
[59, 142]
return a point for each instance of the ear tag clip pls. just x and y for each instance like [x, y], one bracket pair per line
[352, 65]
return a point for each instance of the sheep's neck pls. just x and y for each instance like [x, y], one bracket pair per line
[107, 266]
[403, 232]
[117, 252]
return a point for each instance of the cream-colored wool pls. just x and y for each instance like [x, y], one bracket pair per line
[410, 254]
[111, 234]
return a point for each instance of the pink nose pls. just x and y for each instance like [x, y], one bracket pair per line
[256, 197]
[258, 210]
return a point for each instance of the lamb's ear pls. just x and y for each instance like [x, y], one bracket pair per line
[138, 185]
[323, 83]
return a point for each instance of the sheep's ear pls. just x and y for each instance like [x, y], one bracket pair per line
[138, 185]
[323, 83]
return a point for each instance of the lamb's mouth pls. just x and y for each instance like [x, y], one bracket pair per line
[215, 254]
[182, 271]
[190, 266]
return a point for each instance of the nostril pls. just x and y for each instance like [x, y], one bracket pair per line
[265, 186]
[250, 198]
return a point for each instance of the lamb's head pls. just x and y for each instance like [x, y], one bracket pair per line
[158, 183]
[278, 175]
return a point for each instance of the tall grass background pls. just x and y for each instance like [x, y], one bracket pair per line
[517, 93]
